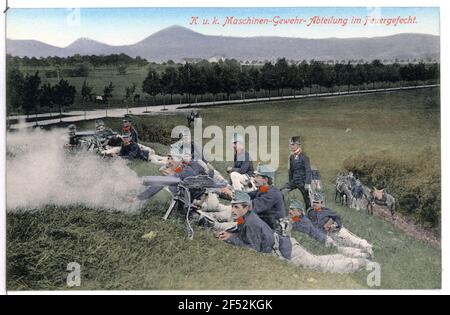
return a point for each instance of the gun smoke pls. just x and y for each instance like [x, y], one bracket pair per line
[40, 172]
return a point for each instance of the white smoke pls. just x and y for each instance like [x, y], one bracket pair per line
[40, 172]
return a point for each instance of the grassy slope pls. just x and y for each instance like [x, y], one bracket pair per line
[113, 255]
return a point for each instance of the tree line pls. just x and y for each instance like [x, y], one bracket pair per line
[26, 94]
[92, 60]
[229, 76]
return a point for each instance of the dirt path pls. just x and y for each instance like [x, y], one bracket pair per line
[408, 226]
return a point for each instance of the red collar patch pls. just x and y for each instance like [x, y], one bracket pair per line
[263, 189]
[240, 220]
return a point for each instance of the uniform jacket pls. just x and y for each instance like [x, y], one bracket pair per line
[320, 218]
[269, 206]
[254, 233]
[304, 225]
[299, 170]
[243, 164]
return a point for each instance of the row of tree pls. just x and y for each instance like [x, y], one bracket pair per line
[26, 94]
[229, 77]
[92, 60]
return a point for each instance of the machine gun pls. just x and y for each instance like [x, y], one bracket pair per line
[181, 195]
[91, 140]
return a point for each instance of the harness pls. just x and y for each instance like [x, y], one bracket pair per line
[382, 201]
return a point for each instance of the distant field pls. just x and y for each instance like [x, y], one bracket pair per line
[114, 256]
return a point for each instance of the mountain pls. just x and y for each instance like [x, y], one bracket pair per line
[178, 42]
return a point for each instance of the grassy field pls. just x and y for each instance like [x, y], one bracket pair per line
[113, 254]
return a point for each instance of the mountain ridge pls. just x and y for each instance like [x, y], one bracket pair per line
[177, 43]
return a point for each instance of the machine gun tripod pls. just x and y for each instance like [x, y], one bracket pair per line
[181, 195]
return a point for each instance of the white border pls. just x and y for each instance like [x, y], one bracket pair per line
[444, 13]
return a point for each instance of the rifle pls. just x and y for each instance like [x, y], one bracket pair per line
[182, 194]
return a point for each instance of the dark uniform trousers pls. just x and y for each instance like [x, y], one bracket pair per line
[305, 193]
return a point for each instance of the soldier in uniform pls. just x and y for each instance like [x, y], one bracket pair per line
[242, 170]
[127, 127]
[301, 223]
[131, 150]
[187, 146]
[175, 167]
[268, 200]
[74, 141]
[330, 223]
[299, 170]
[254, 233]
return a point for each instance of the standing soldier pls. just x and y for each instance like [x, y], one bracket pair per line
[242, 170]
[299, 171]
[254, 233]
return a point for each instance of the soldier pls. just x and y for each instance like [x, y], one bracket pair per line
[242, 170]
[74, 141]
[127, 127]
[254, 233]
[102, 132]
[268, 200]
[301, 223]
[299, 170]
[330, 223]
[131, 150]
[175, 167]
[187, 146]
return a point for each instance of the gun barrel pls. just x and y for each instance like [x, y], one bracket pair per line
[160, 180]
[84, 133]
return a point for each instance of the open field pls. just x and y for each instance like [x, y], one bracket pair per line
[113, 254]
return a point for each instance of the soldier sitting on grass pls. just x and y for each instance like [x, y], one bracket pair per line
[130, 150]
[267, 202]
[242, 170]
[330, 223]
[301, 223]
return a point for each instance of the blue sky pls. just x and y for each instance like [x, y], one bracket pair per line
[119, 26]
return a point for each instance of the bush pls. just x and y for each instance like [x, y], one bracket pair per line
[154, 133]
[414, 181]
[80, 70]
[51, 74]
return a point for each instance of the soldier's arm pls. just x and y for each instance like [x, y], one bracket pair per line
[236, 240]
[316, 233]
[263, 203]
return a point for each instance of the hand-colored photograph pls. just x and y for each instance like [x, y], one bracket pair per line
[227, 148]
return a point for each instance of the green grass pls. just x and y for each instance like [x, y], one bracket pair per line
[113, 255]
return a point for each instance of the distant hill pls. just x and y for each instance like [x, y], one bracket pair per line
[178, 42]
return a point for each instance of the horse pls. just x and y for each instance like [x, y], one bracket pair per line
[381, 198]
[343, 188]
